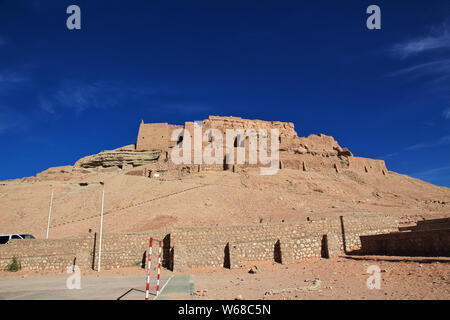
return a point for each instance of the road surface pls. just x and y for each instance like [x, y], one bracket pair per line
[96, 288]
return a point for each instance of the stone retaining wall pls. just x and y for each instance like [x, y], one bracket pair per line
[227, 246]
[432, 243]
[286, 242]
[118, 250]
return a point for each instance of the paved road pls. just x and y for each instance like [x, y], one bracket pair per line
[96, 288]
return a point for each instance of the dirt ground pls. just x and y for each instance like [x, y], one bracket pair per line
[311, 279]
[318, 279]
[134, 204]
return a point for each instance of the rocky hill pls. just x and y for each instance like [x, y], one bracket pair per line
[144, 190]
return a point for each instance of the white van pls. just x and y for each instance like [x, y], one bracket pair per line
[4, 238]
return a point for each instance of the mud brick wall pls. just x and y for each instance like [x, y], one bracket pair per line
[416, 243]
[152, 136]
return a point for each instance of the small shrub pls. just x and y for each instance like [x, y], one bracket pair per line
[13, 266]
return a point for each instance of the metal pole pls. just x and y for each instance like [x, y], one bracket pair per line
[49, 214]
[149, 265]
[101, 230]
[159, 269]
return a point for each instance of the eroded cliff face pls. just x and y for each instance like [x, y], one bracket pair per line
[319, 152]
[119, 158]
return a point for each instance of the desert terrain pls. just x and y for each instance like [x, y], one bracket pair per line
[134, 203]
[145, 190]
[148, 193]
[341, 278]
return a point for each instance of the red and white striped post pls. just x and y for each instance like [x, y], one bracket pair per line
[149, 264]
[159, 268]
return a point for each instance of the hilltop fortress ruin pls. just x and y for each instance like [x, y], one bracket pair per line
[323, 202]
[151, 154]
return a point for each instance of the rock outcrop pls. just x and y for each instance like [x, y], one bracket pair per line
[119, 158]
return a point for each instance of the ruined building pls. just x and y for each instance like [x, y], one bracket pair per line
[151, 155]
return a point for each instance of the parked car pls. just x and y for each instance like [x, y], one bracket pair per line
[4, 238]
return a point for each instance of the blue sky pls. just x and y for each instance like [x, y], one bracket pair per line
[384, 94]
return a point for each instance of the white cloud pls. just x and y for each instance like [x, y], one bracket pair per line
[434, 67]
[46, 105]
[446, 113]
[440, 142]
[80, 97]
[432, 171]
[434, 74]
[11, 120]
[438, 39]
[12, 77]
[390, 155]
[439, 176]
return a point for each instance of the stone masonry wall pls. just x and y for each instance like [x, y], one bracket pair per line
[433, 243]
[118, 250]
[284, 242]
[183, 248]
[355, 227]
[42, 254]
[124, 249]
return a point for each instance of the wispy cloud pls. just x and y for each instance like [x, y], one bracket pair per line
[82, 97]
[390, 155]
[439, 38]
[433, 73]
[79, 97]
[12, 81]
[439, 176]
[12, 77]
[10, 119]
[434, 67]
[46, 105]
[446, 113]
[445, 140]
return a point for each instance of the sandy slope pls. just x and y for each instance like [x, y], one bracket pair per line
[134, 203]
